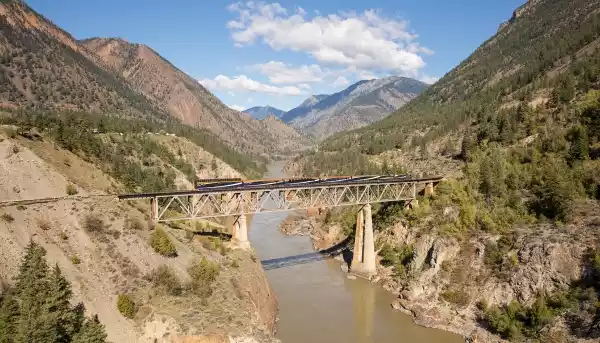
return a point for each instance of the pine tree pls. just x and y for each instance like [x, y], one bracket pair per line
[58, 305]
[9, 313]
[467, 146]
[91, 332]
[579, 150]
[35, 323]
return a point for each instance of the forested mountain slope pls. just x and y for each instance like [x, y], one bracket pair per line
[516, 128]
[521, 64]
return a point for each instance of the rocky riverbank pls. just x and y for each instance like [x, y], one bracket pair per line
[444, 282]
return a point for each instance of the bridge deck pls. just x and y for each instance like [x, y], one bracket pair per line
[286, 184]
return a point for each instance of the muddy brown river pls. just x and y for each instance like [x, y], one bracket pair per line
[318, 304]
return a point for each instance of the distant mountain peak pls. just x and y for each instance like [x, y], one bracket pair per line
[261, 112]
[360, 104]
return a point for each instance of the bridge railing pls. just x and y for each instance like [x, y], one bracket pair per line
[201, 204]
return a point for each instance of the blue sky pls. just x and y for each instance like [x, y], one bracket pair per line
[279, 53]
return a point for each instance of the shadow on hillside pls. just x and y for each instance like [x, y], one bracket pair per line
[282, 262]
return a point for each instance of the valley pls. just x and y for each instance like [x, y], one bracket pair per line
[134, 200]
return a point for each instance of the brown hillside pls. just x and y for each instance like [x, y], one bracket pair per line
[184, 98]
[41, 66]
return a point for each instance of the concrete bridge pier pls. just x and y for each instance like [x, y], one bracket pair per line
[239, 233]
[363, 258]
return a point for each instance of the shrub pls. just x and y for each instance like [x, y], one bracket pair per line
[93, 223]
[21, 208]
[459, 297]
[63, 236]
[161, 243]
[7, 217]
[75, 259]
[164, 278]
[135, 224]
[203, 274]
[15, 149]
[398, 257]
[126, 306]
[44, 224]
[71, 189]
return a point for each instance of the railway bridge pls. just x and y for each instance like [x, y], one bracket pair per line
[235, 198]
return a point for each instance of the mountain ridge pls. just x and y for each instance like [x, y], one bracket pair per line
[360, 104]
[184, 97]
[261, 112]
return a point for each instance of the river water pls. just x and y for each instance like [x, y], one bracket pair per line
[318, 304]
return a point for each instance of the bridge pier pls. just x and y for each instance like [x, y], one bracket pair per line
[154, 209]
[428, 191]
[239, 233]
[363, 258]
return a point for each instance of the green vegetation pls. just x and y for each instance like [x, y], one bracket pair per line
[458, 297]
[165, 279]
[38, 308]
[515, 322]
[399, 257]
[75, 259]
[203, 274]
[71, 189]
[126, 306]
[161, 243]
[74, 131]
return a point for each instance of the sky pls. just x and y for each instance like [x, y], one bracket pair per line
[256, 53]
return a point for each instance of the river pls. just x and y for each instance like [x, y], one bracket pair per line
[318, 304]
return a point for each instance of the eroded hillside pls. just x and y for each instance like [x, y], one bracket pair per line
[186, 99]
[103, 248]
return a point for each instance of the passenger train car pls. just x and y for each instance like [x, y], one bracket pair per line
[238, 183]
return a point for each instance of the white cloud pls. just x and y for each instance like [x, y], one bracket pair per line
[429, 79]
[237, 107]
[282, 73]
[368, 41]
[340, 81]
[242, 83]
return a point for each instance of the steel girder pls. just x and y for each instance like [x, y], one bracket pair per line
[169, 207]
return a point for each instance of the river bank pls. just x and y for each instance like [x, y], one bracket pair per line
[318, 303]
[445, 280]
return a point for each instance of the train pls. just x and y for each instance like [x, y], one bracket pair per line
[206, 184]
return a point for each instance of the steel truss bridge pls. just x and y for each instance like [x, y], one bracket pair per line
[234, 197]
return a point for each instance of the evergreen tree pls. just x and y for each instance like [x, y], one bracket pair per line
[35, 323]
[9, 313]
[579, 150]
[92, 331]
[58, 305]
[467, 146]
[38, 308]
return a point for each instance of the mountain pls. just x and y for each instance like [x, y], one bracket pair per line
[44, 67]
[312, 100]
[261, 112]
[520, 64]
[515, 131]
[358, 105]
[183, 97]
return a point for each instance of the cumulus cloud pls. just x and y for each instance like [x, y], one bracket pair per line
[282, 73]
[242, 83]
[429, 79]
[368, 40]
[340, 81]
[237, 108]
